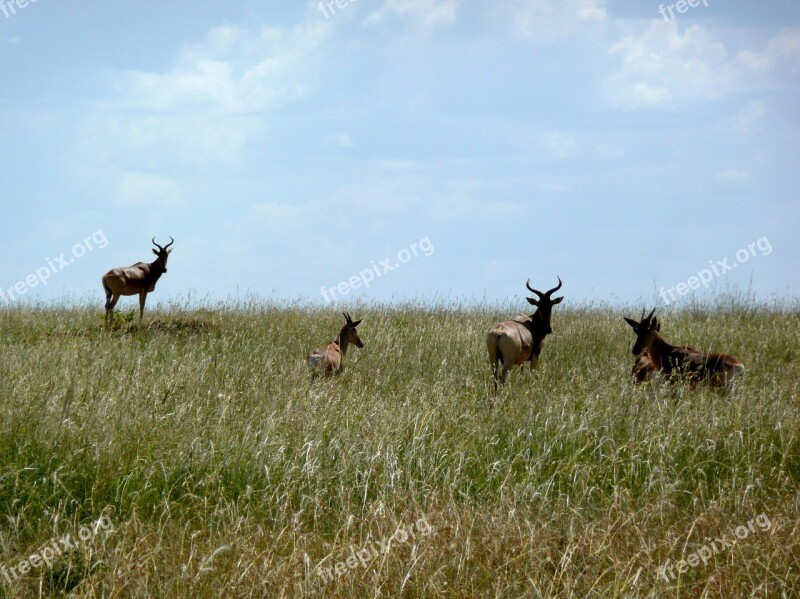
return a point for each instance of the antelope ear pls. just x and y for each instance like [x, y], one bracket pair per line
[633, 323]
[356, 323]
[532, 301]
[155, 252]
[558, 300]
[169, 251]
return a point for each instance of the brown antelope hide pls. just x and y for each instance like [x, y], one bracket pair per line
[513, 342]
[643, 369]
[139, 279]
[331, 358]
[681, 362]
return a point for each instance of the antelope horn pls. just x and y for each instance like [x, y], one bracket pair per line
[649, 315]
[347, 317]
[171, 241]
[532, 290]
[155, 244]
[554, 289]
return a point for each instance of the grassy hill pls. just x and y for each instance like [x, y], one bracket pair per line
[221, 469]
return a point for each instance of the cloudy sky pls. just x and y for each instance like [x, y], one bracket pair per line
[288, 146]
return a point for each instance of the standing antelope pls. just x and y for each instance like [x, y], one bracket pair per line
[680, 363]
[331, 357]
[515, 341]
[141, 279]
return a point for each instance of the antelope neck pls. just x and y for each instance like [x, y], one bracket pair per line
[156, 269]
[537, 336]
[342, 340]
[537, 326]
[658, 348]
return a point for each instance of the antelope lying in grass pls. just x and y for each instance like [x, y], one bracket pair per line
[514, 342]
[141, 279]
[643, 369]
[678, 363]
[331, 358]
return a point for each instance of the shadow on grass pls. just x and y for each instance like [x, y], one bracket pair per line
[191, 326]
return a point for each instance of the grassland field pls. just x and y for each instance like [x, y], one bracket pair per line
[227, 472]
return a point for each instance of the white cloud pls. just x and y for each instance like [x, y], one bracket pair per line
[428, 13]
[231, 71]
[203, 111]
[783, 49]
[547, 20]
[661, 65]
[591, 10]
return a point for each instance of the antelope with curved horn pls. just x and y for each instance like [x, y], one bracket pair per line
[514, 342]
[331, 358]
[140, 278]
[679, 362]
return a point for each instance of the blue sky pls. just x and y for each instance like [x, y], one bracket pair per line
[287, 151]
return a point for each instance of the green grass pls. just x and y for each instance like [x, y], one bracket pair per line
[227, 472]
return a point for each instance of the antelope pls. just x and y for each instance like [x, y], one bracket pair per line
[140, 278]
[643, 369]
[679, 363]
[513, 342]
[331, 357]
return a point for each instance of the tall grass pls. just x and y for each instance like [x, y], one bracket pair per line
[227, 472]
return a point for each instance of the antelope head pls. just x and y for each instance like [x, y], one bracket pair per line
[646, 330]
[544, 302]
[349, 331]
[163, 252]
